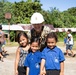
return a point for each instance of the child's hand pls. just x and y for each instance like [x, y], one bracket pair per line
[61, 73]
[16, 73]
[43, 73]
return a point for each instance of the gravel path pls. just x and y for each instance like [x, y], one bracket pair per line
[7, 67]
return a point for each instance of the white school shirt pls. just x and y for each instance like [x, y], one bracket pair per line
[70, 42]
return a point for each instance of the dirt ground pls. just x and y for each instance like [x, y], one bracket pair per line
[7, 67]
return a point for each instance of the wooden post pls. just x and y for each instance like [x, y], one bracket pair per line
[8, 17]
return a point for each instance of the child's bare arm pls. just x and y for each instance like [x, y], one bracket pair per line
[42, 68]
[17, 61]
[62, 68]
[27, 71]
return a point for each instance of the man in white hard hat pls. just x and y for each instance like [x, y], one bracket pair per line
[38, 30]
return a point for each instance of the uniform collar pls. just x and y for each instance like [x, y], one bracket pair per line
[34, 52]
[53, 49]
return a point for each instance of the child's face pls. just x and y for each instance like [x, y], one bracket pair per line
[67, 32]
[23, 41]
[51, 42]
[34, 46]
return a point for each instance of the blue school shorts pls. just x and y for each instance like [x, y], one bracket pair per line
[69, 47]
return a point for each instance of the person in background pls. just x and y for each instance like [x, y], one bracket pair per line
[69, 43]
[65, 40]
[2, 39]
[21, 53]
[39, 30]
[33, 59]
[52, 57]
[3, 46]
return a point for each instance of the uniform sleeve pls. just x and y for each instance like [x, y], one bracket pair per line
[39, 58]
[26, 62]
[61, 56]
[43, 55]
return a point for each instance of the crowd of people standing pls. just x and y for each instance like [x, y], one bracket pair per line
[38, 54]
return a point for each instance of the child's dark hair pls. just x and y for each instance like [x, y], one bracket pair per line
[52, 35]
[69, 30]
[35, 40]
[20, 34]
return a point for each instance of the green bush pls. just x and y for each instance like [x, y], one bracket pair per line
[12, 36]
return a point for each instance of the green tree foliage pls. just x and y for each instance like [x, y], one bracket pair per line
[69, 19]
[60, 19]
[53, 17]
[72, 11]
[12, 36]
[36, 0]
[24, 10]
[21, 13]
[29, 0]
[1, 10]
[5, 7]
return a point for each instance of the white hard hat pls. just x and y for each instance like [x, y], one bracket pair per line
[36, 18]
